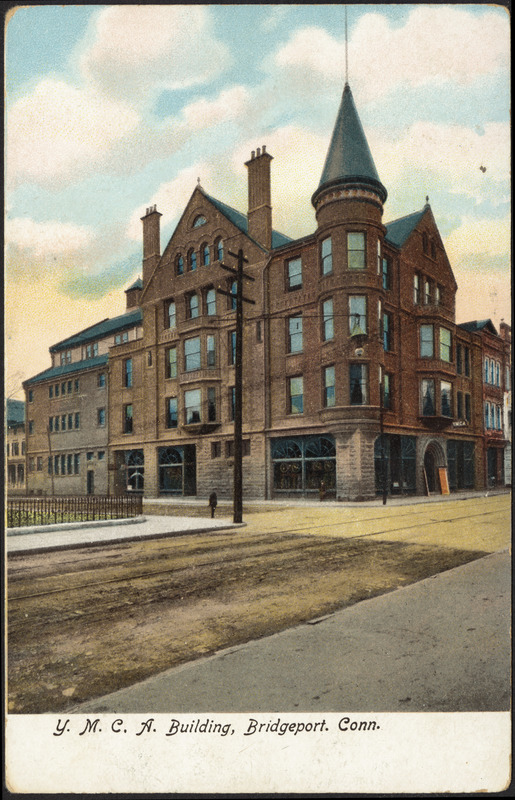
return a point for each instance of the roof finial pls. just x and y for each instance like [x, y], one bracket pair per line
[427, 199]
[198, 182]
[346, 51]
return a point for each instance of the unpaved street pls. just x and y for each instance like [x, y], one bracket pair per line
[86, 622]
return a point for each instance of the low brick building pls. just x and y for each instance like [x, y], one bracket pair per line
[15, 447]
[357, 379]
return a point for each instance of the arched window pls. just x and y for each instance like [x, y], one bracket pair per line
[170, 470]
[192, 260]
[193, 306]
[211, 302]
[219, 249]
[205, 255]
[179, 265]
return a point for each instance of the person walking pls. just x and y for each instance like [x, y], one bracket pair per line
[213, 502]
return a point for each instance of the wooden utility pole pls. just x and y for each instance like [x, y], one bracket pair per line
[238, 380]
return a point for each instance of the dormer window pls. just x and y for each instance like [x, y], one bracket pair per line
[199, 221]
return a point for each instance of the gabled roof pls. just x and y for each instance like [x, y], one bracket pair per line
[399, 230]
[15, 412]
[68, 369]
[241, 222]
[349, 159]
[101, 329]
[138, 284]
[479, 325]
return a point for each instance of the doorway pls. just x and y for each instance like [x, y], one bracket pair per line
[430, 470]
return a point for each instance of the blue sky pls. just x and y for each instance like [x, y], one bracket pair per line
[113, 108]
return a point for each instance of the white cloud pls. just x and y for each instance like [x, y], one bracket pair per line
[435, 45]
[59, 131]
[488, 238]
[170, 198]
[46, 239]
[230, 104]
[139, 50]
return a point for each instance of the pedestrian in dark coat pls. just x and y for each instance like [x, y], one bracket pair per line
[213, 502]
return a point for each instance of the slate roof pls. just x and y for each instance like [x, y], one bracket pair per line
[479, 325]
[349, 158]
[68, 369]
[15, 412]
[138, 284]
[241, 221]
[101, 329]
[398, 231]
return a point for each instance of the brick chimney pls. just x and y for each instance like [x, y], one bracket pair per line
[260, 209]
[151, 241]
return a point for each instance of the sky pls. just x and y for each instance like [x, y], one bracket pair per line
[110, 109]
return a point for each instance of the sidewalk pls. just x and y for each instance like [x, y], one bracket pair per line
[442, 644]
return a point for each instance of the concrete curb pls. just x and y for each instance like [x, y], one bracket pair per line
[74, 526]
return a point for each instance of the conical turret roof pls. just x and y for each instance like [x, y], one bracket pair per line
[349, 160]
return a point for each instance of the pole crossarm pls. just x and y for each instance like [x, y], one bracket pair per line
[235, 296]
[237, 255]
[235, 272]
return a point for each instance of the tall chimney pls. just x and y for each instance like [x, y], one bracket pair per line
[260, 208]
[151, 241]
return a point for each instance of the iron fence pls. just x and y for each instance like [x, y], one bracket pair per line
[28, 511]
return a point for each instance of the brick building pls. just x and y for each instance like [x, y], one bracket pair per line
[356, 375]
[15, 447]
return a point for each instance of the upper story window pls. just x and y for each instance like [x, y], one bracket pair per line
[101, 380]
[192, 354]
[192, 406]
[232, 347]
[66, 357]
[171, 314]
[445, 345]
[31, 395]
[497, 374]
[121, 338]
[128, 372]
[92, 350]
[467, 362]
[459, 359]
[171, 412]
[327, 256]
[356, 251]
[206, 258]
[294, 273]
[387, 331]
[487, 370]
[386, 273]
[192, 260]
[425, 243]
[329, 387]
[171, 362]
[219, 249]
[358, 384]
[127, 418]
[426, 341]
[211, 302]
[295, 334]
[416, 289]
[328, 319]
[179, 265]
[199, 221]
[427, 397]
[233, 301]
[387, 391]
[357, 314]
[438, 295]
[446, 398]
[296, 395]
[193, 306]
[210, 351]
[101, 417]
[427, 292]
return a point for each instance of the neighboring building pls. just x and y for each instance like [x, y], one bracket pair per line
[67, 408]
[505, 333]
[351, 332]
[15, 447]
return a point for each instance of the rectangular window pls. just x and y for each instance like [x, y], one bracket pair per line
[56, 424]
[459, 359]
[487, 369]
[211, 302]
[77, 420]
[32, 464]
[229, 448]
[358, 384]
[192, 354]
[497, 374]
[467, 408]
[387, 331]
[101, 417]
[232, 347]
[427, 292]
[23, 448]
[492, 372]
[245, 447]
[89, 456]
[192, 400]
[211, 351]
[438, 294]
[121, 338]
[386, 273]
[416, 289]
[127, 418]
[171, 362]
[487, 415]
[101, 381]
[328, 319]
[63, 422]
[295, 334]
[211, 404]
[50, 470]
[426, 341]
[445, 345]
[327, 256]
[127, 372]
[39, 463]
[170, 314]
[387, 392]
[192, 306]
[56, 390]
[50, 392]
[51, 424]
[379, 266]
[467, 362]
[171, 412]
[499, 418]
[329, 387]
[446, 399]
[101, 455]
[31, 426]
[357, 314]
[427, 392]
[76, 385]
[56, 465]
[69, 464]
[63, 388]
[16, 449]
[149, 358]
[76, 463]
[356, 251]
[296, 395]
[31, 395]
[294, 274]
[459, 405]
[70, 422]
[63, 465]
[69, 387]
[216, 449]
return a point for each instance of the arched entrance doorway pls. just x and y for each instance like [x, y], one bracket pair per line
[434, 457]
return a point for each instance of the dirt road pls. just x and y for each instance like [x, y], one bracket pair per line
[89, 621]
